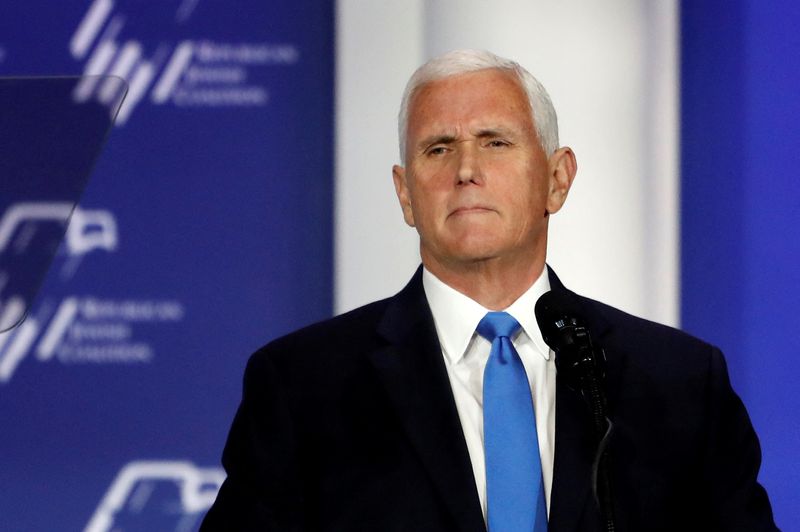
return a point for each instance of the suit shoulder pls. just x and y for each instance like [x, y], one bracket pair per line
[655, 360]
[356, 327]
[645, 339]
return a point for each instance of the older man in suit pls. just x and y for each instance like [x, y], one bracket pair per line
[441, 408]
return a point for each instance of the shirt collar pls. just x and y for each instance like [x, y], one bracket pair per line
[456, 316]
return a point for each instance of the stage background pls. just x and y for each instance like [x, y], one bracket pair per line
[228, 230]
[216, 189]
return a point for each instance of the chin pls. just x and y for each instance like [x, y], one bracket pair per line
[474, 254]
[470, 248]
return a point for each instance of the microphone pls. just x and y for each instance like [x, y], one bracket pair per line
[582, 368]
[565, 331]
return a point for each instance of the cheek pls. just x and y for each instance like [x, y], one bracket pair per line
[435, 177]
[422, 205]
[529, 202]
[429, 193]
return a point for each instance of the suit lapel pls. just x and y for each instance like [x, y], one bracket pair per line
[413, 374]
[574, 452]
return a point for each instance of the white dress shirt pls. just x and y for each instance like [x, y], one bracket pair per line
[465, 354]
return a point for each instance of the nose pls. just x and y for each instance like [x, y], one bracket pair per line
[469, 170]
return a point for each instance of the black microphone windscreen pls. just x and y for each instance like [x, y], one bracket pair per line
[554, 310]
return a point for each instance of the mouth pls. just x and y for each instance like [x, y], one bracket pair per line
[471, 209]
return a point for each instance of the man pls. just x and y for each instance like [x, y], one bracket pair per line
[390, 417]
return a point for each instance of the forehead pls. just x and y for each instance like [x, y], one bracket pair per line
[463, 99]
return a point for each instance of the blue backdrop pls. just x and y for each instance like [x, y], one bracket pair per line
[197, 249]
[740, 204]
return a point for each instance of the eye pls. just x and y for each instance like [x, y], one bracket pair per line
[498, 143]
[437, 150]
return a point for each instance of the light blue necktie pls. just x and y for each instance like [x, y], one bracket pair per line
[514, 485]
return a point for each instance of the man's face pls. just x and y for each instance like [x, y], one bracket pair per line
[477, 184]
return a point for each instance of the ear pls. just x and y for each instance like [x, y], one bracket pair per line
[562, 167]
[401, 187]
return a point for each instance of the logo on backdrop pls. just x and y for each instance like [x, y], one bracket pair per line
[88, 229]
[157, 495]
[78, 329]
[197, 72]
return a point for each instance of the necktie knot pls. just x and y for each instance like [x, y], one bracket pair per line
[497, 325]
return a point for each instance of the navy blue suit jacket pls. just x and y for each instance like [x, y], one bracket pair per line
[350, 424]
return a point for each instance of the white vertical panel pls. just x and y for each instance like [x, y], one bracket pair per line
[379, 45]
[611, 70]
[662, 161]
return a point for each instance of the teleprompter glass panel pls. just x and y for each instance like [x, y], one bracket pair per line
[51, 131]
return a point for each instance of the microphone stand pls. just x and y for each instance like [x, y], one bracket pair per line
[581, 369]
[601, 484]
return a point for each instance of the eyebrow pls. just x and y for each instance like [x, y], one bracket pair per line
[495, 132]
[435, 139]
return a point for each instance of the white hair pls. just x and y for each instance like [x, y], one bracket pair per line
[463, 61]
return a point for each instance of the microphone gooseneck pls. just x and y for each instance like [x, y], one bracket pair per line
[582, 368]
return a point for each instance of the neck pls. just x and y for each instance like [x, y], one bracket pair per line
[494, 283]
